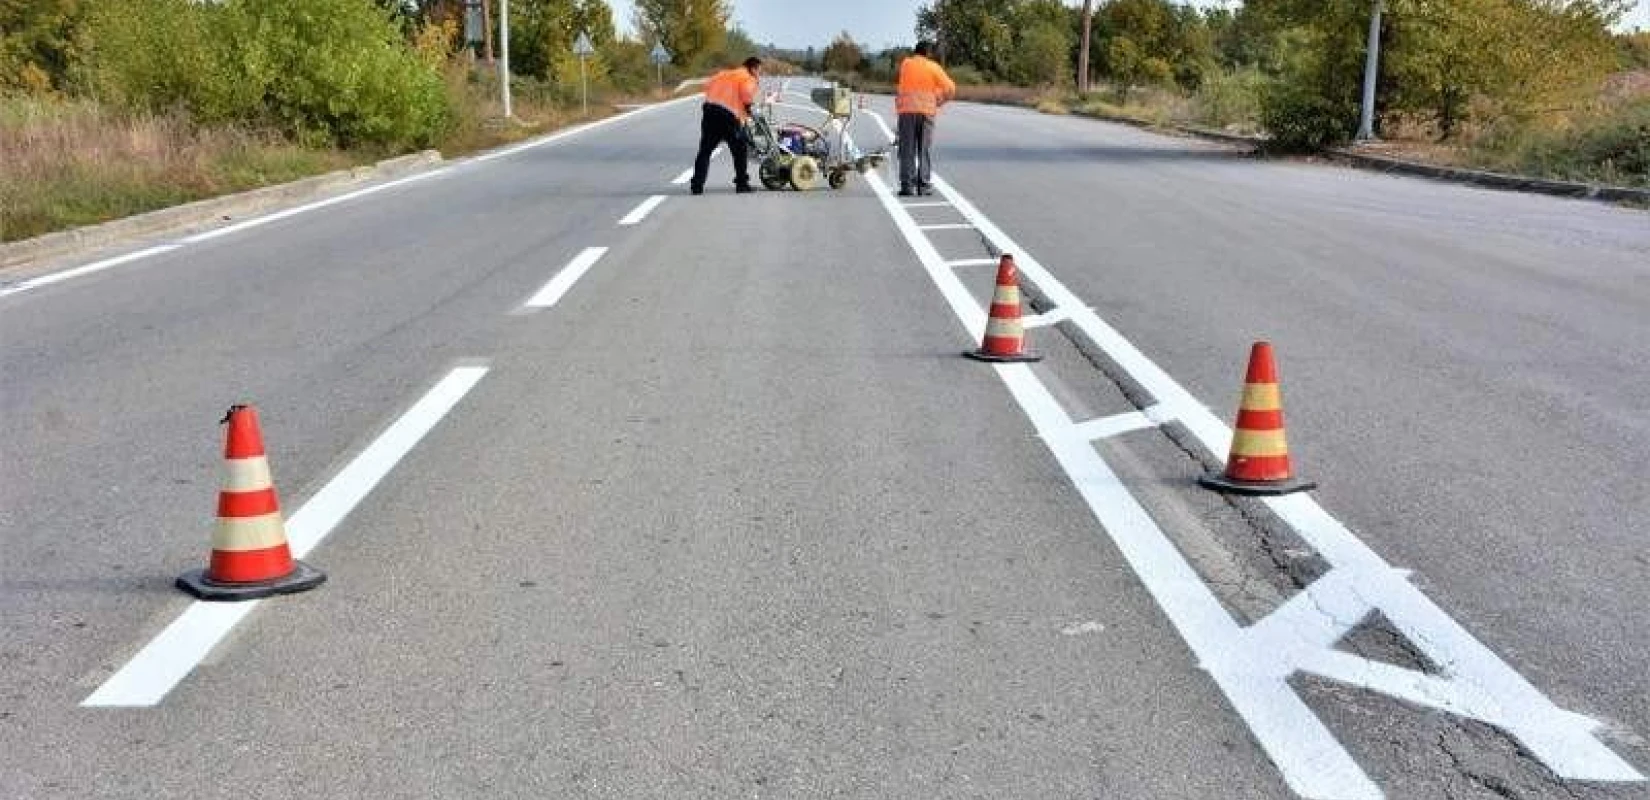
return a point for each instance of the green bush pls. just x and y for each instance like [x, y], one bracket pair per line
[1613, 148]
[158, 55]
[338, 71]
[322, 71]
[965, 75]
[1301, 119]
[1230, 98]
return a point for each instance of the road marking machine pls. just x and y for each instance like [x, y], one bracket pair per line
[797, 156]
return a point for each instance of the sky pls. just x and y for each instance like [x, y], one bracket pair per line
[878, 23]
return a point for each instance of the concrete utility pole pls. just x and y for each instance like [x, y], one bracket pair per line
[1372, 69]
[1083, 51]
[504, 54]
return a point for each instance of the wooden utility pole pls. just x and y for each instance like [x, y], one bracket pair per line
[487, 31]
[1083, 50]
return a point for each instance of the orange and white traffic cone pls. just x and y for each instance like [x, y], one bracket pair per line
[1005, 335]
[1259, 461]
[250, 556]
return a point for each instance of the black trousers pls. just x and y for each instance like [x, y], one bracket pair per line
[720, 126]
[916, 139]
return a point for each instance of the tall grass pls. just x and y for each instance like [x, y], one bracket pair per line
[70, 163]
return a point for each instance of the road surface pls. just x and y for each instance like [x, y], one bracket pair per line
[626, 497]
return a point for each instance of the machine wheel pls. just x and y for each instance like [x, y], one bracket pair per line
[804, 173]
[839, 178]
[774, 176]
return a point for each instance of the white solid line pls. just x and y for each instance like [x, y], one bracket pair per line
[564, 280]
[881, 123]
[973, 262]
[86, 269]
[172, 655]
[641, 211]
[950, 226]
[940, 204]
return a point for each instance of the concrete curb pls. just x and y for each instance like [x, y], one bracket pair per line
[1253, 142]
[1494, 180]
[216, 209]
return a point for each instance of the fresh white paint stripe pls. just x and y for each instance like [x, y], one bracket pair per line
[564, 280]
[687, 174]
[881, 123]
[172, 655]
[642, 210]
[1047, 318]
[949, 226]
[972, 262]
[1107, 427]
[86, 269]
[1253, 665]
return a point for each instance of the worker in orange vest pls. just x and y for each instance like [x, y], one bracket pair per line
[923, 88]
[728, 98]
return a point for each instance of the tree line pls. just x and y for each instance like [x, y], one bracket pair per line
[381, 73]
[1452, 62]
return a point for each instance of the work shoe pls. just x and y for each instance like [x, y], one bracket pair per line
[925, 190]
[696, 189]
[905, 190]
[745, 189]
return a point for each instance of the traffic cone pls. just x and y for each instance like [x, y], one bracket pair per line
[1005, 337]
[1259, 461]
[250, 557]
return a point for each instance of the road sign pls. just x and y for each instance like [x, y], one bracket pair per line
[659, 55]
[583, 49]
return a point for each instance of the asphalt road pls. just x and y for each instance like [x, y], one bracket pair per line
[731, 517]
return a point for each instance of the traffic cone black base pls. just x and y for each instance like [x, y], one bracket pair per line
[1221, 483]
[1017, 358]
[302, 578]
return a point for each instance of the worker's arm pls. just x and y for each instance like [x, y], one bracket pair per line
[948, 87]
[747, 92]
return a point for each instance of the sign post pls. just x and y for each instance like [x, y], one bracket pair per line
[583, 49]
[660, 55]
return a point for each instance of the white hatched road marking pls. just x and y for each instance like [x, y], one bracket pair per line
[177, 650]
[1253, 664]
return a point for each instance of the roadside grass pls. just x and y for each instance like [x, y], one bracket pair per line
[71, 162]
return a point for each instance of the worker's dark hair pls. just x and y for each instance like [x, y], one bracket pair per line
[753, 62]
[925, 48]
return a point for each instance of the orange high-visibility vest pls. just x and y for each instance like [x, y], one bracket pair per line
[732, 89]
[923, 87]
